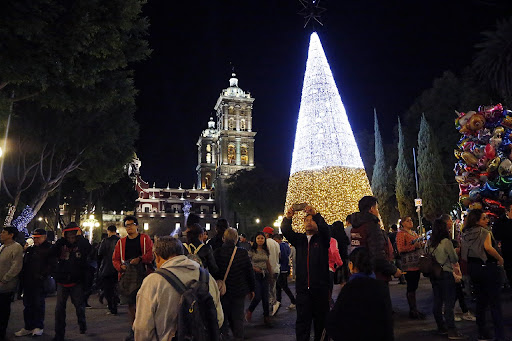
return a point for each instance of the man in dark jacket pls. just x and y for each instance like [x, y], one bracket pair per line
[239, 283]
[366, 232]
[312, 283]
[70, 274]
[221, 226]
[502, 231]
[107, 273]
[36, 269]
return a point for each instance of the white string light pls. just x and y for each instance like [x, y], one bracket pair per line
[327, 170]
[324, 137]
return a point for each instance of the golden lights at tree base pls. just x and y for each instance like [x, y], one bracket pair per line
[327, 171]
[333, 191]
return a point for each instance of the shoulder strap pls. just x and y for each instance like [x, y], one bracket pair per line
[197, 248]
[187, 246]
[203, 276]
[229, 266]
[173, 280]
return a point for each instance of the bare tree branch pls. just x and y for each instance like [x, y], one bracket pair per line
[4, 185]
[25, 97]
[3, 85]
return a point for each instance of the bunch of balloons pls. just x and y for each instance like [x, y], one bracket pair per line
[484, 169]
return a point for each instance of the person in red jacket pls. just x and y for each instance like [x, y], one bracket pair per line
[134, 250]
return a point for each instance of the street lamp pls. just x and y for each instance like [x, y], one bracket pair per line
[258, 220]
[91, 223]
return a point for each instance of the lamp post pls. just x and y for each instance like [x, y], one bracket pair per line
[90, 224]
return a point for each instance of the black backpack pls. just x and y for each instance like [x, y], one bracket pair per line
[197, 315]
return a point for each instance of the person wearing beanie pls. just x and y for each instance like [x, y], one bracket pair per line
[71, 252]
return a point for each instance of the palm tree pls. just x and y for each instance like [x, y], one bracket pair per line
[493, 62]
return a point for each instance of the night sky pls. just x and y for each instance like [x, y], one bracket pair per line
[382, 54]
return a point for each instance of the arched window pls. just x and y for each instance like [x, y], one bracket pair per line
[231, 124]
[242, 124]
[208, 157]
[244, 156]
[231, 154]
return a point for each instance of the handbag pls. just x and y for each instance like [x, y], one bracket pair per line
[221, 283]
[131, 280]
[411, 259]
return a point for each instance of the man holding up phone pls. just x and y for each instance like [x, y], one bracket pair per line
[312, 284]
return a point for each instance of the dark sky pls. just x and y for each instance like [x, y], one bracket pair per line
[382, 54]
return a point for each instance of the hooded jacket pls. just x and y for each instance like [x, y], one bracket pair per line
[158, 302]
[205, 253]
[472, 244]
[366, 232]
[312, 256]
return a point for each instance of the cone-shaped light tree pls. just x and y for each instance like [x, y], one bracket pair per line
[327, 171]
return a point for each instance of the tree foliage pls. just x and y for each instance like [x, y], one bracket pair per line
[66, 67]
[405, 187]
[382, 180]
[493, 62]
[430, 172]
[257, 193]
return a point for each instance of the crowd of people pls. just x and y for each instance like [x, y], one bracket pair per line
[190, 287]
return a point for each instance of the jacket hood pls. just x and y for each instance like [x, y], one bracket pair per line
[472, 233]
[178, 262]
[359, 219]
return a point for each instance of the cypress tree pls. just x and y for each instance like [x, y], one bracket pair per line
[405, 189]
[430, 171]
[382, 186]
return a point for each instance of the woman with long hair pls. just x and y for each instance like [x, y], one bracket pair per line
[457, 274]
[409, 247]
[441, 247]
[478, 249]
[259, 255]
[363, 309]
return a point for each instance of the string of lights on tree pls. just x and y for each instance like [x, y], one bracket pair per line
[23, 219]
[327, 170]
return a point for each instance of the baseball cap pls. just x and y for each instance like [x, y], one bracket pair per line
[268, 229]
[38, 233]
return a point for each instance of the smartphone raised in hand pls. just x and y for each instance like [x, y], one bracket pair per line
[299, 207]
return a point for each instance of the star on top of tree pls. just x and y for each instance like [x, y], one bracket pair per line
[311, 10]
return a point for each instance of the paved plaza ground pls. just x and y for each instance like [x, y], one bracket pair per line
[110, 328]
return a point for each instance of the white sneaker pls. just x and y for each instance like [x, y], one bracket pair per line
[37, 332]
[468, 316]
[23, 332]
[291, 307]
[457, 318]
[275, 308]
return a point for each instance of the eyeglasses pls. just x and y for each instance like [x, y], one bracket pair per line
[129, 225]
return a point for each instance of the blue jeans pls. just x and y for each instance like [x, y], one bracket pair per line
[444, 293]
[260, 294]
[34, 306]
[487, 284]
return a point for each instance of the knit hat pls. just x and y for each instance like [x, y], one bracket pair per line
[268, 230]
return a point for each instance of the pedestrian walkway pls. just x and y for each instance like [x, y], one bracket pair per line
[115, 328]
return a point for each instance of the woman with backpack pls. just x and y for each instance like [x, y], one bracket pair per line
[410, 248]
[441, 248]
[478, 249]
[259, 255]
[196, 250]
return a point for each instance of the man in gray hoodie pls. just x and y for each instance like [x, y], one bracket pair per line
[11, 262]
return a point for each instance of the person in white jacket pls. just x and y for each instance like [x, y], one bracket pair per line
[158, 301]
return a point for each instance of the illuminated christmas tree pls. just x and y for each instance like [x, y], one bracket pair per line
[327, 171]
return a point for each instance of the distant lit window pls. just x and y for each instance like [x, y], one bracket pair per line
[146, 226]
[208, 148]
[231, 123]
[242, 124]
[231, 154]
[208, 158]
[244, 157]
[178, 225]
[207, 226]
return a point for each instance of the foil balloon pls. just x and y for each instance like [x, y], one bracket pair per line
[470, 159]
[490, 151]
[478, 150]
[493, 165]
[483, 136]
[507, 121]
[505, 168]
[483, 177]
[464, 200]
[471, 122]
[492, 204]
[475, 205]
[489, 190]
[464, 189]
[492, 115]
[457, 153]
[474, 194]
[459, 168]
[504, 182]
